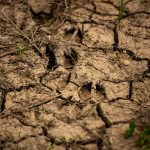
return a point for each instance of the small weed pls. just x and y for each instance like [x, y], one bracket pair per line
[58, 142]
[122, 10]
[144, 139]
[130, 131]
[21, 50]
[51, 146]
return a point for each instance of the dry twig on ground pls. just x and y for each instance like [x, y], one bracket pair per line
[22, 34]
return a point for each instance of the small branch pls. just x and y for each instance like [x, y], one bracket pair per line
[12, 52]
[21, 32]
[8, 53]
[43, 102]
[27, 108]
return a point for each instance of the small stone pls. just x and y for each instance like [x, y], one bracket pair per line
[126, 62]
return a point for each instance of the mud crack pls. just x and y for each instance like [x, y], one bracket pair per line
[103, 117]
[116, 39]
[130, 89]
[3, 100]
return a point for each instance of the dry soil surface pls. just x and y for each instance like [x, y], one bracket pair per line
[72, 76]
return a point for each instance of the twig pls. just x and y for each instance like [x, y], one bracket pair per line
[21, 32]
[8, 53]
[12, 52]
[43, 102]
[24, 109]
[66, 4]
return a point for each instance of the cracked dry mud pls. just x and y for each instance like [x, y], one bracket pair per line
[84, 86]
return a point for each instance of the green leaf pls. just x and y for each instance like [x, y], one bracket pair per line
[129, 132]
[132, 125]
[121, 11]
[144, 139]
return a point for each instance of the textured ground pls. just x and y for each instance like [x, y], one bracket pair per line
[77, 78]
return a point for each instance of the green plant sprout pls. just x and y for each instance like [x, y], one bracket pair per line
[51, 146]
[144, 139]
[21, 50]
[122, 10]
[129, 132]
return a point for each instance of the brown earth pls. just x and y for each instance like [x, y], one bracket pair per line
[72, 76]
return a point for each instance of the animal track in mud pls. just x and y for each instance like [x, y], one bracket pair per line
[70, 58]
[74, 34]
[100, 90]
[50, 53]
[41, 17]
[85, 91]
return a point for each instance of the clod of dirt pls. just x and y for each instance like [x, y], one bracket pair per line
[77, 130]
[117, 140]
[106, 8]
[41, 10]
[116, 90]
[141, 91]
[35, 142]
[99, 37]
[58, 79]
[21, 18]
[21, 71]
[138, 6]
[5, 84]
[16, 131]
[119, 111]
[66, 122]
[71, 91]
[80, 14]
[39, 6]
[25, 97]
[97, 67]
[134, 35]
[20, 15]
